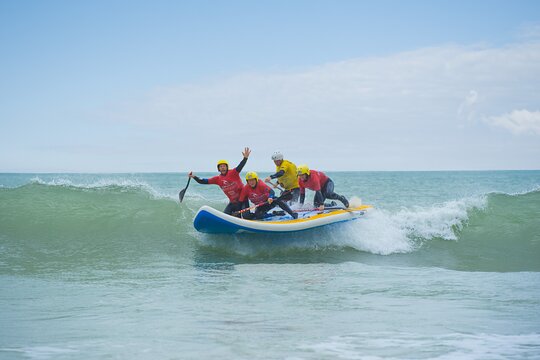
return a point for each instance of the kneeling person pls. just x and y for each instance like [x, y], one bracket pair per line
[320, 183]
[258, 193]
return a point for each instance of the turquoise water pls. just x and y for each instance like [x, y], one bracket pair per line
[109, 266]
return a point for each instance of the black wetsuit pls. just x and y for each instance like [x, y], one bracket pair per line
[326, 192]
[263, 209]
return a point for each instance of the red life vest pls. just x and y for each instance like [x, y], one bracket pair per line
[315, 181]
[256, 195]
[231, 184]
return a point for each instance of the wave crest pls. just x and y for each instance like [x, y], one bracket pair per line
[122, 185]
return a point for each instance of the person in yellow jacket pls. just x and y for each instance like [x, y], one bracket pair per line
[286, 176]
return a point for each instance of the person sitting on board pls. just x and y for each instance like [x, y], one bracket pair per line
[320, 183]
[261, 196]
[286, 175]
[229, 181]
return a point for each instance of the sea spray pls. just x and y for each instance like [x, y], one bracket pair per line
[379, 232]
[355, 201]
[437, 221]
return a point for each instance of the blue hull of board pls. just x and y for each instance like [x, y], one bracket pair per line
[209, 223]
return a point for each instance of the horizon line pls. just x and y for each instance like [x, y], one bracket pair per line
[261, 171]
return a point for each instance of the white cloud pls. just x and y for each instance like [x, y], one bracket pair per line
[390, 112]
[518, 121]
[426, 80]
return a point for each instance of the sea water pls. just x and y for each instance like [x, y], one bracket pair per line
[108, 266]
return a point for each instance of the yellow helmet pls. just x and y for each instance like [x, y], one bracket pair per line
[222, 162]
[252, 175]
[302, 169]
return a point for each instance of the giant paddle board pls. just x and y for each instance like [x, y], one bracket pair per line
[212, 221]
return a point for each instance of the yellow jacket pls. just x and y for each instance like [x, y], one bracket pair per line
[289, 180]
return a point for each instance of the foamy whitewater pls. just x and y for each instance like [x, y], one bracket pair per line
[447, 266]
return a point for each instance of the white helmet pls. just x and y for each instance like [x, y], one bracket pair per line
[277, 156]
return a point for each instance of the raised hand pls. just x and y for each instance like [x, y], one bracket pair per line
[246, 152]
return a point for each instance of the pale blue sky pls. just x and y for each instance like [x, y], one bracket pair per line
[132, 85]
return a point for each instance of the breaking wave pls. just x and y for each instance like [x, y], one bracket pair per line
[43, 222]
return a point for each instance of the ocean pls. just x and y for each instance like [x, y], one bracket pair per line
[109, 266]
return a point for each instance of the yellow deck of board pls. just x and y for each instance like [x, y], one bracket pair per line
[318, 216]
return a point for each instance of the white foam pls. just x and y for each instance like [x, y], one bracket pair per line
[382, 232]
[377, 233]
[40, 352]
[438, 220]
[355, 201]
[121, 183]
[388, 345]
[533, 189]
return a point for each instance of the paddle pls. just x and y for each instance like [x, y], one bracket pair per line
[183, 192]
[275, 185]
[250, 208]
[326, 208]
[261, 204]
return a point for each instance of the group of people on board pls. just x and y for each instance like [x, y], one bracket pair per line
[291, 180]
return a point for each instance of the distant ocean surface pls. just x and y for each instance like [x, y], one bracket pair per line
[109, 266]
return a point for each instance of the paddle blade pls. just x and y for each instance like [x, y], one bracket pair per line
[181, 195]
[183, 192]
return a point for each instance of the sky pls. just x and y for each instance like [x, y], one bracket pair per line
[173, 86]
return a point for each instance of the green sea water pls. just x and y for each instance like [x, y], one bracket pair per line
[108, 266]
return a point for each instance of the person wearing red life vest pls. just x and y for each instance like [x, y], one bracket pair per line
[320, 183]
[260, 194]
[229, 181]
